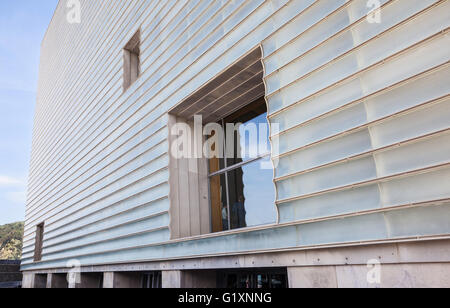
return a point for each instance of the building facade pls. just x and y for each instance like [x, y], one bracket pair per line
[354, 190]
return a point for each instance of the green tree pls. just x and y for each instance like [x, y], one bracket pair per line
[11, 237]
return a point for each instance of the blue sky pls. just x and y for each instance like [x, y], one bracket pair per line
[22, 26]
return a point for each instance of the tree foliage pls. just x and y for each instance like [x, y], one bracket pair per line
[11, 237]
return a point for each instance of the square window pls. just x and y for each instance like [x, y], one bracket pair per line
[39, 243]
[131, 60]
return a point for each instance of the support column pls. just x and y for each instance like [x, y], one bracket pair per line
[112, 280]
[189, 279]
[108, 280]
[34, 281]
[57, 281]
[28, 281]
[171, 279]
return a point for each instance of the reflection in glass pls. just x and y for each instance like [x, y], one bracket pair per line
[241, 186]
[219, 208]
[252, 195]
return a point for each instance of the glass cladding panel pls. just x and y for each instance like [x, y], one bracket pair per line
[358, 228]
[311, 61]
[418, 155]
[410, 94]
[304, 39]
[290, 29]
[89, 238]
[323, 128]
[406, 35]
[331, 204]
[310, 84]
[323, 179]
[324, 153]
[96, 222]
[412, 125]
[86, 215]
[418, 188]
[417, 221]
[429, 55]
[252, 196]
[123, 243]
[376, 50]
[391, 15]
[318, 105]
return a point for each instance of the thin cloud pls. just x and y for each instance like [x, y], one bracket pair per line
[9, 181]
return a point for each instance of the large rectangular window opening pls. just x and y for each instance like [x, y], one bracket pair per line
[39, 242]
[131, 60]
[221, 171]
[242, 192]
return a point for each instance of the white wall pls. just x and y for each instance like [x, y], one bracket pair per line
[363, 110]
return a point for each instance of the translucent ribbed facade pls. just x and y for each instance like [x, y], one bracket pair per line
[362, 102]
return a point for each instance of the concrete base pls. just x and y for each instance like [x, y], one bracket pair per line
[380, 276]
[402, 264]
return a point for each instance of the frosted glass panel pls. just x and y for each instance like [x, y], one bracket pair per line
[318, 105]
[138, 240]
[311, 83]
[297, 26]
[337, 203]
[392, 14]
[327, 127]
[327, 178]
[402, 97]
[412, 125]
[434, 220]
[125, 196]
[87, 237]
[324, 153]
[408, 34]
[360, 228]
[419, 155]
[431, 54]
[410, 94]
[293, 26]
[372, 52]
[419, 188]
[108, 221]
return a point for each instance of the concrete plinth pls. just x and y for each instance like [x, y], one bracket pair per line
[363, 276]
[405, 264]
